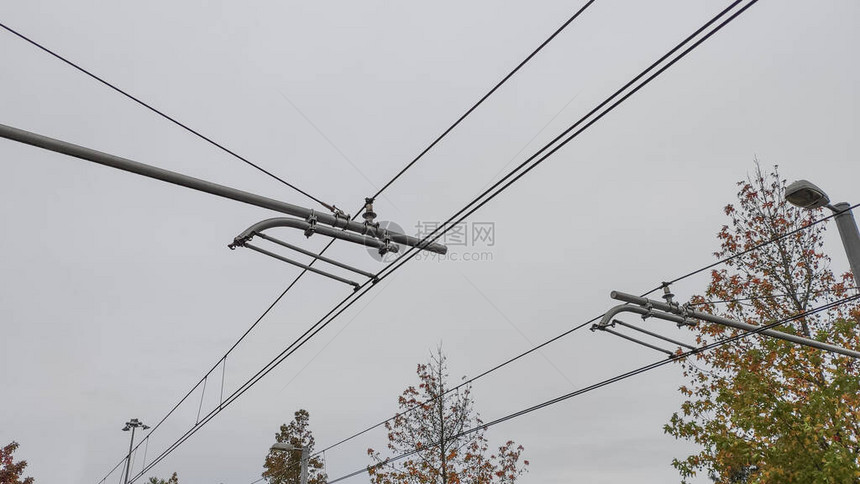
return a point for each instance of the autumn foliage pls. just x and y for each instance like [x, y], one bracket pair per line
[285, 467]
[10, 471]
[764, 410]
[440, 439]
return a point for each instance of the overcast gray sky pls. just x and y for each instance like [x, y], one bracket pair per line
[117, 293]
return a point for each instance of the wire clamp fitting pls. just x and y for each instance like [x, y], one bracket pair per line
[650, 310]
[686, 313]
[387, 246]
[339, 214]
[312, 224]
[241, 240]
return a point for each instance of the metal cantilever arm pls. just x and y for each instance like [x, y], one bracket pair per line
[106, 159]
[679, 312]
[259, 227]
[607, 318]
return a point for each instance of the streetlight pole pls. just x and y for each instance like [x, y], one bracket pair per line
[287, 447]
[805, 194]
[131, 425]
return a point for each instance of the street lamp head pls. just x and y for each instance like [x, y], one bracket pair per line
[805, 194]
[285, 446]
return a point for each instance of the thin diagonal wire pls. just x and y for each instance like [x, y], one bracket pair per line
[185, 397]
[758, 246]
[162, 114]
[450, 222]
[391, 181]
[562, 335]
[485, 96]
[614, 379]
[352, 298]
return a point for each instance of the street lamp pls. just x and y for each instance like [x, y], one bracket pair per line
[131, 425]
[805, 194]
[287, 447]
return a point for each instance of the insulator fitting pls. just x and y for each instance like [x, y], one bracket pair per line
[667, 294]
[369, 215]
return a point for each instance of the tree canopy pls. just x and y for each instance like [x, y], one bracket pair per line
[174, 479]
[762, 409]
[11, 471]
[284, 467]
[439, 436]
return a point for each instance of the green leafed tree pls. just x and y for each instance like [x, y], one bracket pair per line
[174, 479]
[284, 467]
[764, 410]
[11, 471]
[433, 428]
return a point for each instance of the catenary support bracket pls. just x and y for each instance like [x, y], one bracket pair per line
[682, 315]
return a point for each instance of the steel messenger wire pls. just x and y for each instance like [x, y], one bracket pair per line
[379, 192]
[609, 381]
[163, 115]
[352, 298]
[566, 333]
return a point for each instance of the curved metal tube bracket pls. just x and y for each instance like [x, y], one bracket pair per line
[685, 312]
[310, 228]
[607, 318]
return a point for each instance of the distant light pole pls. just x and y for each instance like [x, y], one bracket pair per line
[131, 425]
[287, 447]
[805, 194]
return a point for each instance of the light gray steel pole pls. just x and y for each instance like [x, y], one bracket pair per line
[168, 176]
[671, 308]
[305, 458]
[128, 459]
[850, 237]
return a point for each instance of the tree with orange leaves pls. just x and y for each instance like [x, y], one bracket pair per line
[766, 410]
[10, 471]
[439, 437]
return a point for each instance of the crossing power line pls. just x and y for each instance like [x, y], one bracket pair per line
[162, 114]
[533, 161]
[222, 360]
[564, 334]
[609, 381]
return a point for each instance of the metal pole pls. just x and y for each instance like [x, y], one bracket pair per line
[850, 237]
[168, 176]
[128, 459]
[662, 306]
[305, 457]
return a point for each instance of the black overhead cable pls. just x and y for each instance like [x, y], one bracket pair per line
[485, 96]
[562, 335]
[758, 246]
[481, 375]
[391, 181]
[609, 381]
[163, 115]
[545, 152]
[756, 298]
[363, 289]
[222, 360]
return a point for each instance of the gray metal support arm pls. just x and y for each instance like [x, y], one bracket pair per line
[690, 313]
[608, 316]
[168, 176]
[259, 227]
